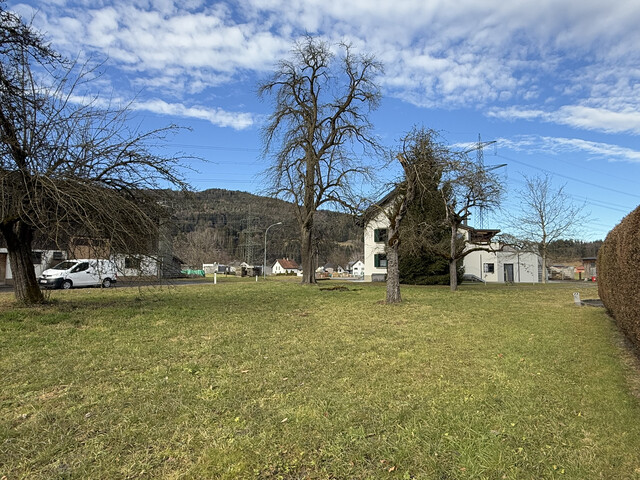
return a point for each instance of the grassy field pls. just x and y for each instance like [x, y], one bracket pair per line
[274, 380]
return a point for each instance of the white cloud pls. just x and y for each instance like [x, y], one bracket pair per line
[215, 116]
[437, 53]
[589, 118]
[578, 116]
[559, 145]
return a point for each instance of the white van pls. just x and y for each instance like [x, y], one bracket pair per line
[79, 273]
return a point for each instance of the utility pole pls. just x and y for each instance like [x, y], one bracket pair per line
[249, 243]
[264, 263]
[479, 149]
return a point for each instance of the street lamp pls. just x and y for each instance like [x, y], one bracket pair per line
[264, 264]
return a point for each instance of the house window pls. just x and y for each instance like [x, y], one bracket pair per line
[58, 256]
[132, 262]
[380, 260]
[380, 235]
[36, 258]
[489, 268]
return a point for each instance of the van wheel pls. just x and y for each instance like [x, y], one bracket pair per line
[106, 283]
[66, 285]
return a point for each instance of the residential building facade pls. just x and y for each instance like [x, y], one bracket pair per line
[497, 264]
[375, 257]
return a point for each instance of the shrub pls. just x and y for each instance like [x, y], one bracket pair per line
[619, 274]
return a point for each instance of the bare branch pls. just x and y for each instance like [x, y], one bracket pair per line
[320, 111]
[546, 215]
[67, 168]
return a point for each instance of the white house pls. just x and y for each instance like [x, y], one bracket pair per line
[501, 264]
[356, 268]
[285, 266]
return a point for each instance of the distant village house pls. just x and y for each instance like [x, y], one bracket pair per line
[284, 266]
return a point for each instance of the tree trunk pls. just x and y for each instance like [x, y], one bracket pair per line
[453, 275]
[25, 284]
[306, 251]
[453, 271]
[393, 274]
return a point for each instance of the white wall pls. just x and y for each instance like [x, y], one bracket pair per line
[148, 266]
[358, 269]
[372, 248]
[525, 265]
[475, 263]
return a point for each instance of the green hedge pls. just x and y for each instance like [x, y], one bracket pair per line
[619, 275]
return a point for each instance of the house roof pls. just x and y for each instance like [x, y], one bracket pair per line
[288, 264]
[480, 235]
[375, 208]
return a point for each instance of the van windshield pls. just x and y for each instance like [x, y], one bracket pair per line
[65, 265]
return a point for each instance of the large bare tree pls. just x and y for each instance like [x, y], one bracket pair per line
[69, 168]
[321, 106]
[546, 214]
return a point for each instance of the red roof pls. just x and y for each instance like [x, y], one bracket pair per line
[288, 264]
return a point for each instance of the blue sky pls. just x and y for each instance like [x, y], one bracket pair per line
[555, 83]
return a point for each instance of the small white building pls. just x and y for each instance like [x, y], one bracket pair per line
[284, 266]
[137, 265]
[504, 265]
[357, 268]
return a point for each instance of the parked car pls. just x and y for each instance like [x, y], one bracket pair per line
[80, 273]
[470, 277]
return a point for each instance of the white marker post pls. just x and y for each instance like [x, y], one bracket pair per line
[576, 299]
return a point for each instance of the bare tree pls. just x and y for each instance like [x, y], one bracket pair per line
[466, 185]
[69, 168]
[546, 214]
[199, 247]
[321, 105]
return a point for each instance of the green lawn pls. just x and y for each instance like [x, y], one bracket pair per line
[274, 380]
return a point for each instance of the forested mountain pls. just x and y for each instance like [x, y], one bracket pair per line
[221, 226]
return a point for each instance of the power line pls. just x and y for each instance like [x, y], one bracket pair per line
[591, 201]
[620, 192]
